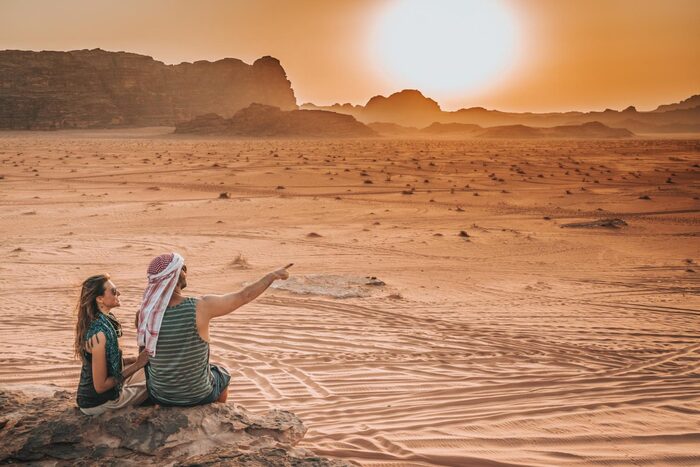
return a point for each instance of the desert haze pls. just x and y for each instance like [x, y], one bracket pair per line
[461, 233]
[452, 302]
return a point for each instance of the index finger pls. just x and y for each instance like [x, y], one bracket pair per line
[289, 266]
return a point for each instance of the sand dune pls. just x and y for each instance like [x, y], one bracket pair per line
[522, 344]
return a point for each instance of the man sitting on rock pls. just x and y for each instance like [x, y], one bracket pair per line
[174, 330]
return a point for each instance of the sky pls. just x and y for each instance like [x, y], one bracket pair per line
[511, 55]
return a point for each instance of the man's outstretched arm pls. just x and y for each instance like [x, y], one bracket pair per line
[212, 306]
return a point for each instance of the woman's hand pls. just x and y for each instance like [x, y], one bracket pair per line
[142, 359]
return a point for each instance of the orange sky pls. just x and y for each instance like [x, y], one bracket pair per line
[571, 54]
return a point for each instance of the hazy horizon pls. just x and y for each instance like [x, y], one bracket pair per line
[519, 56]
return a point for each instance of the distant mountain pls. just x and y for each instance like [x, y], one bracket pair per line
[690, 103]
[452, 128]
[411, 108]
[586, 130]
[265, 121]
[99, 89]
[392, 129]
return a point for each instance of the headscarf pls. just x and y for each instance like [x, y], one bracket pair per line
[163, 274]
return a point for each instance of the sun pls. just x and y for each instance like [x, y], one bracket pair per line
[444, 47]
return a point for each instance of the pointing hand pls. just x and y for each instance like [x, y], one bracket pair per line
[282, 272]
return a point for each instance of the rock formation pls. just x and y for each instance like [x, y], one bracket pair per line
[51, 429]
[452, 128]
[259, 120]
[689, 103]
[411, 108]
[99, 89]
[586, 130]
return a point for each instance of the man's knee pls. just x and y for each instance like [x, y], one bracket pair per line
[223, 396]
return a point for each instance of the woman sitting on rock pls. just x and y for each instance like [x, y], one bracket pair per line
[104, 383]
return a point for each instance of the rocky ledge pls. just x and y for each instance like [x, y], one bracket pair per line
[51, 430]
[258, 120]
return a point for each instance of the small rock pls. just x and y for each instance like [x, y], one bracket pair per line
[372, 280]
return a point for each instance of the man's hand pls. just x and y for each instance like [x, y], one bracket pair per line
[282, 273]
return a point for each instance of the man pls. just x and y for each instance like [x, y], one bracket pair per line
[174, 330]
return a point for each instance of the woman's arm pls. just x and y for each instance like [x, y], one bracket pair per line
[129, 360]
[103, 383]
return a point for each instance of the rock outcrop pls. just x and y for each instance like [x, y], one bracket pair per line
[586, 130]
[51, 429]
[265, 121]
[452, 129]
[99, 89]
[411, 108]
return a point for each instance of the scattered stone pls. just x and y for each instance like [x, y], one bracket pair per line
[372, 280]
[313, 235]
[225, 195]
[645, 197]
[547, 218]
[606, 223]
[280, 187]
[459, 209]
[395, 296]
[154, 188]
[463, 234]
[240, 262]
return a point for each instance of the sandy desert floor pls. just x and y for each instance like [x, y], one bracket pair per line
[522, 343]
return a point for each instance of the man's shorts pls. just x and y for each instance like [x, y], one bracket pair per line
[220, 379]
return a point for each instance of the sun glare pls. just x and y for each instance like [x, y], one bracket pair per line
[445, 47]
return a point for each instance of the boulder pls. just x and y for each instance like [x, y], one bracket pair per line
[51, 429]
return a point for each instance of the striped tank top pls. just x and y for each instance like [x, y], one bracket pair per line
[179, 373]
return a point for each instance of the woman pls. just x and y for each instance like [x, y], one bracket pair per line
[104, 383]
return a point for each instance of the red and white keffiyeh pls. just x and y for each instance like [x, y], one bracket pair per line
[163, 274]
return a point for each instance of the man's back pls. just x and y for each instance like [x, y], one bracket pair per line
[179, 373]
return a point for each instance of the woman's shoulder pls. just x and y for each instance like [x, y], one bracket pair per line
[97, 326]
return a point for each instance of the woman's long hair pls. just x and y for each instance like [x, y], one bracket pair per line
[87, 310]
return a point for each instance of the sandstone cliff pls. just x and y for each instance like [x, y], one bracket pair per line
[99, 89]
[52, 431]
